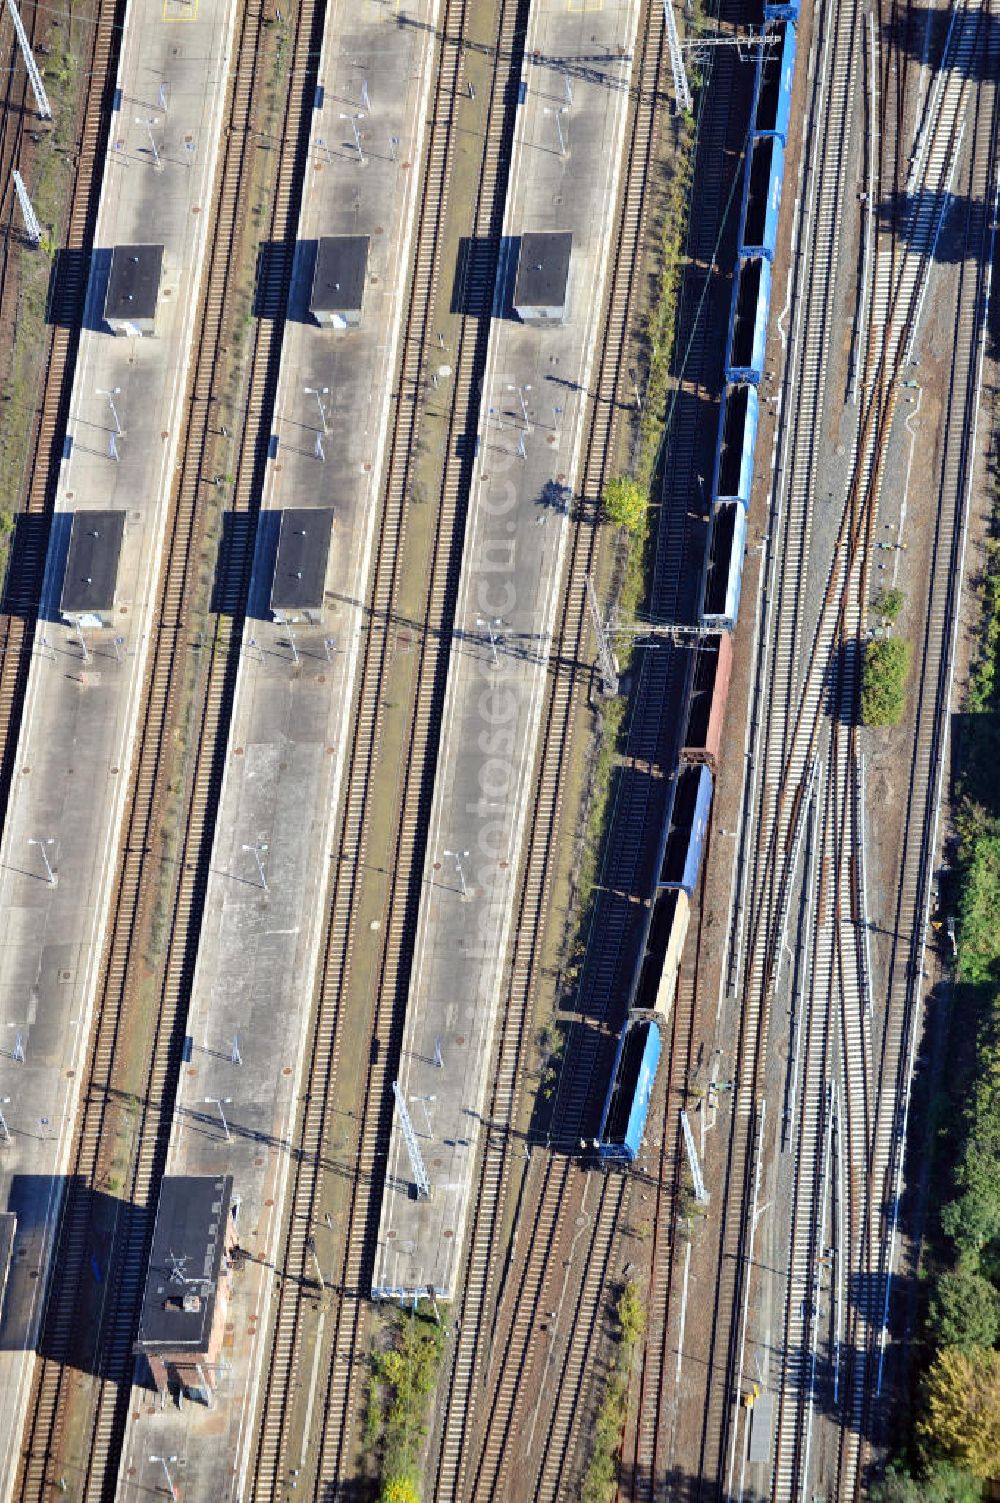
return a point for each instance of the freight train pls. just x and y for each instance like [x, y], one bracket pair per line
[684, 835]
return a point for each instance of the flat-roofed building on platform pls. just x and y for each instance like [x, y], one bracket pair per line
[187, 1283]
[298, 590]
[338, 289]
[91, 578]
[133, 289]
[542, 277]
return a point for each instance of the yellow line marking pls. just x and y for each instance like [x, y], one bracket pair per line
[180, 10]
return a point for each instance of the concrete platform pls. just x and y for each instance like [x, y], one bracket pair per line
[264, 923]
[577, 73]
[72, 772]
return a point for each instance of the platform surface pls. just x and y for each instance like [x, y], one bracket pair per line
[576, 72]
[77, 735]
[260, 946]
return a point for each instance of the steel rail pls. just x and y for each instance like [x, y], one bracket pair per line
[341, 1370]
[21, 591]
[103, 1100]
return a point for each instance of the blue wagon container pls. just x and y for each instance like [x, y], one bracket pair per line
[782, 10]
[775, 73]
[748, 320]
[626, 1105]
[723, 579]
[765, 176]
[683, 840]
[737, 439]
[759, 12]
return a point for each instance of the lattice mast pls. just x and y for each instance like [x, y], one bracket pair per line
[41, 98]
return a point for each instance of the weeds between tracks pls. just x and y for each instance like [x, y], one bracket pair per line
[600, 1481]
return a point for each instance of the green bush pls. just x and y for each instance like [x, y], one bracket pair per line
[883, 690]
[889, 604]
[941, 1482]
[631, 1314]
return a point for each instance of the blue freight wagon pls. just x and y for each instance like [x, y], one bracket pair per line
[626, 1106]
[723, 579]
[761, 11]
[748, 320]
[762, 197]
[686, 827]
[737, 439]
[775, 73]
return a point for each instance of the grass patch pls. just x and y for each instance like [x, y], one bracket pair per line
[396, 1421]
[661, 328]
[630, 585]
[600, 1482]
[608, 740]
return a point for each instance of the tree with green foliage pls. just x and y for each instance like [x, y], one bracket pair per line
[941, 1482]
[972, 1219]
[982, 683]
[883, 696]
[961, 1419]
[889, 604]
[964, 1310]
[626, 503]
[979, 937]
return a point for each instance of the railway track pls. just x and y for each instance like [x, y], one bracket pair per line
[933, 696]
[897, 301]
[522, 1347]
[23, 584]
[832, 69]
[343, 1373]
[180, 657]
[569, 1413]
[565, 704]
[649, 1444]
[825, 685]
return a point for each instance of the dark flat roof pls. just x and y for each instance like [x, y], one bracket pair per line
[134, 283]
[188, 1243]
[95, 547]
[339, 279]
[543, 270]
[303, 549]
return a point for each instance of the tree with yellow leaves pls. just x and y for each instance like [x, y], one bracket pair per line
[962, 1409]
[399, 1490]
